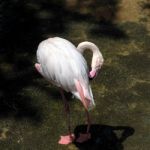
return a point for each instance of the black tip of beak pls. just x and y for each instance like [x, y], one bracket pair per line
[91, 78]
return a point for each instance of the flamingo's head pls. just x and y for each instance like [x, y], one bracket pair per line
[97, 63]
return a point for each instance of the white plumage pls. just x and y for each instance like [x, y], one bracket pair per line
[62, 64]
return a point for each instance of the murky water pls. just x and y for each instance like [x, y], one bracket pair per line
[31, 110]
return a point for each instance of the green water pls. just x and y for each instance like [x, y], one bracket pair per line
[31, 110]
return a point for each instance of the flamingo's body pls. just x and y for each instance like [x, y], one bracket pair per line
[61, 63]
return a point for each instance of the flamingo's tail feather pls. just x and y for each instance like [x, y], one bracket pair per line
[38, 68]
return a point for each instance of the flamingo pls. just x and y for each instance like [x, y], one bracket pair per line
[62, 64]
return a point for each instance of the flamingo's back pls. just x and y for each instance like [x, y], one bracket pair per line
[62, 64]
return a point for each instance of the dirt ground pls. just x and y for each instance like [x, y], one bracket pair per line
[31, 109]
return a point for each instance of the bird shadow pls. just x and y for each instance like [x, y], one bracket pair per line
[104, 137]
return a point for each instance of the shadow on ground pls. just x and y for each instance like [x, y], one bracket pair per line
[104, 137]
[12, 102]
[24, 24]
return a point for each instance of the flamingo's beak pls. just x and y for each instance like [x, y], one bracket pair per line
[92, 74]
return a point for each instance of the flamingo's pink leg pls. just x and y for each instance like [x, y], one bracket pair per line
[67, 139]
[84, 137]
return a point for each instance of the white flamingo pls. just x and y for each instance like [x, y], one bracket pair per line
[61, 63]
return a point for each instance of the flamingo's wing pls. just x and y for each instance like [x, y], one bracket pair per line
[85, 94]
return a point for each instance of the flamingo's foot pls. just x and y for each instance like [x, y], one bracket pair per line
[67, 139]
[83, 137]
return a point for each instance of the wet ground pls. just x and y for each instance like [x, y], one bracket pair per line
[31, 110]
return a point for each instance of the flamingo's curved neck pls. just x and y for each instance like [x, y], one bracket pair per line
[87, 45]
[95, 50]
